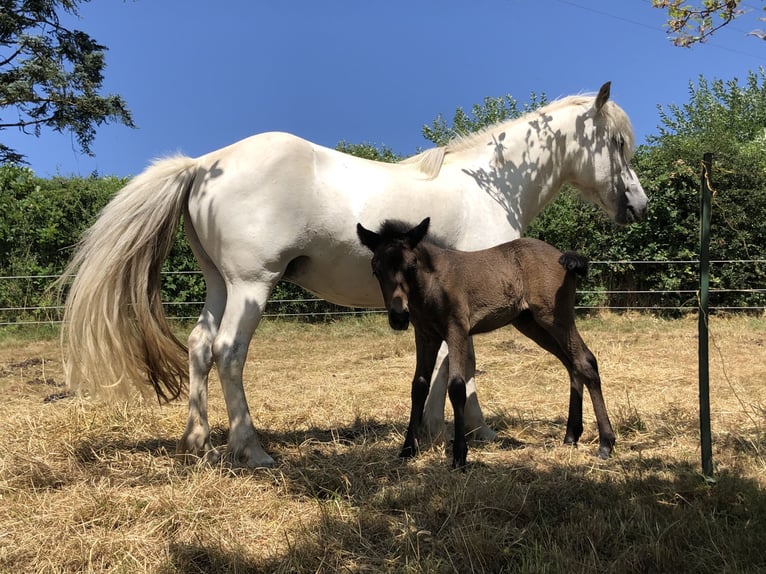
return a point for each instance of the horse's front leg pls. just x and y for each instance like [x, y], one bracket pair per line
[433, 420]
[426, 351]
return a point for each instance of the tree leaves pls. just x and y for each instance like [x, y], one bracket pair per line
[50, 76]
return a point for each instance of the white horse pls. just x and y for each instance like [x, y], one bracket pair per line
[274, 206]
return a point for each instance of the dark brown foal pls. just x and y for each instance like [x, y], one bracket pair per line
[449, 295]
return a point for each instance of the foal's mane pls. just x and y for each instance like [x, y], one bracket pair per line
[429, 162]
[395, 229]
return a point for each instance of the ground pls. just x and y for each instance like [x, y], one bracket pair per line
[88, 486]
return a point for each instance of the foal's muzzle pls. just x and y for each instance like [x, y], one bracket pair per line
[399, 320]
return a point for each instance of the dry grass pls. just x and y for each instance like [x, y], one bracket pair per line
[93, 487]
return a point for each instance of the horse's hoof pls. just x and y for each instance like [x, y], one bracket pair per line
[251, 456]
[245, 462]
[433, 434]
[483, 434]
[194, 448]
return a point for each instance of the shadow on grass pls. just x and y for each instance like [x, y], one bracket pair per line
[194, 558]
[633, 513]
[623, 516]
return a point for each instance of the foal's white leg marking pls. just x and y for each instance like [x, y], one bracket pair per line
[433, 414]
[244, 307]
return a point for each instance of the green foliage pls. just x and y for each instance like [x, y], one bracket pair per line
[369, 151]
[50, 76]
[694, 22]
[491, 111]
[43, 218]
[724, 117]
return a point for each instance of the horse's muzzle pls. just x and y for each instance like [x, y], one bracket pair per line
[633, 209]
[399, 320]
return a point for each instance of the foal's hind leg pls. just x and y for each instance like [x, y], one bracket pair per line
[585, 370]
[567, 345]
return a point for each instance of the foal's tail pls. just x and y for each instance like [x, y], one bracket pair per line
[573, 261]
[115, 333]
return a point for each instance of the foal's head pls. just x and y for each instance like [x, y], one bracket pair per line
[394, 263]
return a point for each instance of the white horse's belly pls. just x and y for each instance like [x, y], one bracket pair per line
[345, 280]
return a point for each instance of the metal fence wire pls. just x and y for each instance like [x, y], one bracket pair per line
[594, 294]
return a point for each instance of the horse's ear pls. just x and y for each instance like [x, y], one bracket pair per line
[416, 234]
[603, 96]
[369, 239]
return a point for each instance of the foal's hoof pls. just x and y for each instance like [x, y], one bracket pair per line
[409, 451]
[459, 456]
[570, 440]
[604, 451]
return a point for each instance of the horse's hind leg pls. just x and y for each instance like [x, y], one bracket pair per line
[196, 438]
[244, 307]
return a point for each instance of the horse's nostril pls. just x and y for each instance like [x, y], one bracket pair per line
[634, 215]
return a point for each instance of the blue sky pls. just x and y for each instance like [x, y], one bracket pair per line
[199, 75]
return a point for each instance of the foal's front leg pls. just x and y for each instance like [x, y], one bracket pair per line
[433, 419]
[426, 351]
[457, 339]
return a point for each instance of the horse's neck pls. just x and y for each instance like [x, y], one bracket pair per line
[523, 165]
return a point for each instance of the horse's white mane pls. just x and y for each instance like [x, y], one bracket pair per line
[429, 162]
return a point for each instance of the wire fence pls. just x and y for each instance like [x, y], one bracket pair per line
[590, 297]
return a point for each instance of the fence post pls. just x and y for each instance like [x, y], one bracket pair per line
[704, 370]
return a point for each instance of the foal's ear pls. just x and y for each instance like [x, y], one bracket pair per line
[416, 234]
[369, 239]
[603, 96]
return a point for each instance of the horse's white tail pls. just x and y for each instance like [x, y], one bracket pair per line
[115, 333]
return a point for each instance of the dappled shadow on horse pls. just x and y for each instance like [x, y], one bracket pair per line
[450, 295]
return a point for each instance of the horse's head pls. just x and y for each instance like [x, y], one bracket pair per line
[394, 263]
[604, 176]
